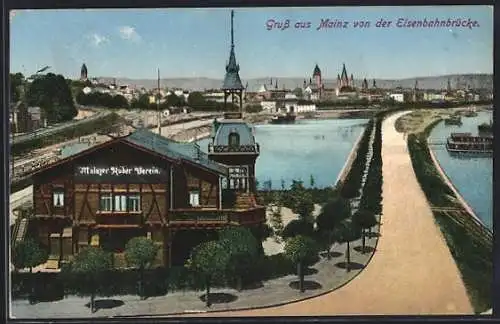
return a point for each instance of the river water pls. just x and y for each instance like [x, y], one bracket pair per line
[472, 176]
[308, 147]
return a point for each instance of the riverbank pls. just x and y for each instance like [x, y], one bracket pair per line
[469, 241]
[348, 163]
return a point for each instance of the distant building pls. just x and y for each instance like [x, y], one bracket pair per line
[25, 119]
[398, 97]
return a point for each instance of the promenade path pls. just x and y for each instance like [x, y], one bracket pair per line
[412, 272]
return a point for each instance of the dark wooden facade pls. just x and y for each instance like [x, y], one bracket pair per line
[73, 211]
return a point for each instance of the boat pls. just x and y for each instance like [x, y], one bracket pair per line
[485, 127]
[453, 120]
[467, 143]
[287, 118]
[471, 112]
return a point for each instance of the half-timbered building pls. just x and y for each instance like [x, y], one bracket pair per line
[141, 184]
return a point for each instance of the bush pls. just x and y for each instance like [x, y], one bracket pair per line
[298, 227]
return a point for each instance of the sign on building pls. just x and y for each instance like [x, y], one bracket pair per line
[120, 174]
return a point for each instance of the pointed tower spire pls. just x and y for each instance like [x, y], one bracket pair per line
[232, 80]
[448, 88]
[232, 28]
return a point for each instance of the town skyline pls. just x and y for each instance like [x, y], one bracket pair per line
[107, 42]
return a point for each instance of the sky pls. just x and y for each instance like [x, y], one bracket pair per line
[183, 43]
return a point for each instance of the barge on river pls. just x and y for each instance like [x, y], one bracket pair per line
[287, 118]
[453, 120]
[467, 143]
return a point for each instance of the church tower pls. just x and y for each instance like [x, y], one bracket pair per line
[344, 80]
[83, 73]
[233, 142]
[317, 78]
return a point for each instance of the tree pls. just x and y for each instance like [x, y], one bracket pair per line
[298, 227]
[90, 264]
[209, 259]
[301, 250]
[196, 100]
[304, 206]
[242, 247]
[141, 253]
[332, 214]
[364, 219]
[118, 101]
[29, 254]
[16, 82]
[53, 94]
[173, 100]
[346, 232]
[277, 221]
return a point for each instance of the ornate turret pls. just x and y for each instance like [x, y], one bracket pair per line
[232, 140]
[232, 83]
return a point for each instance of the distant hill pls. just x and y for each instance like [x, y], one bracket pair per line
[198, 84]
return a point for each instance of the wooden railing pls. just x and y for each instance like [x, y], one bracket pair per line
[218, 216]
[198, 215]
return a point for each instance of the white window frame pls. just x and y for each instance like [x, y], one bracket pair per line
[238, 177]
[134, 203]
[58, 198]
[194, 198]
[120, 203]
[108, 198]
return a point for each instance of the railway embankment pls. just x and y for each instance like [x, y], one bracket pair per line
[468, 239]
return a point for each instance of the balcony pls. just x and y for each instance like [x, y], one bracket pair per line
[214, 149]
[118, 219]
[193, 216]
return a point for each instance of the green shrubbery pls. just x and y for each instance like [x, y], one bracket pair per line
[157, 281]
[352, 184]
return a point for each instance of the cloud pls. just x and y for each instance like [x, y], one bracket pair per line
[98, 40]
[129, 33]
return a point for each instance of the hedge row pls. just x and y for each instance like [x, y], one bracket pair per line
[157, 282]
[474, 258]
[352, 183]
[372, 191]
[436, 190]
[65, 134]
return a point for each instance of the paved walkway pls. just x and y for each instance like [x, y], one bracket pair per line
[412, 271]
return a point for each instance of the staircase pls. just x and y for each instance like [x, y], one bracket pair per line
[19, 231]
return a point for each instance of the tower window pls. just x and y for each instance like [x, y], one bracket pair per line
[234, 139]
